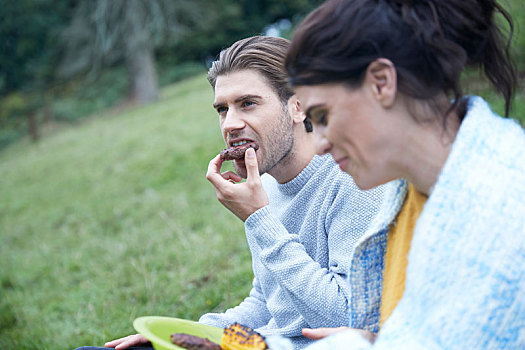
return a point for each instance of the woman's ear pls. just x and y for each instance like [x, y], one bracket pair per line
[381, 77]
[294, 107]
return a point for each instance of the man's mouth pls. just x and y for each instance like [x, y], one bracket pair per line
[235, 144]
[238, 150]
[239, 142]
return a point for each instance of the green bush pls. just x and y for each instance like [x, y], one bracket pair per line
[88, 95]
[80, 98]
[172, 73]
[10, 135]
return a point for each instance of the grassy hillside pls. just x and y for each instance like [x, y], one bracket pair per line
[114, 219]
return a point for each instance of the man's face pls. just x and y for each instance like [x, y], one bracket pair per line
[251, 111]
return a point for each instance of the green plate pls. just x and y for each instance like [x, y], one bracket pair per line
[158, 330]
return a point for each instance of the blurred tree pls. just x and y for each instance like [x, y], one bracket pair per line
[87, 36]
[103, 32]
[28, 32]
[227, 21]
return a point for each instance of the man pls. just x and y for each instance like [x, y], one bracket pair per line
[302, 216]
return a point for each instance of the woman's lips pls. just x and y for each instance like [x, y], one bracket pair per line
[343, 163]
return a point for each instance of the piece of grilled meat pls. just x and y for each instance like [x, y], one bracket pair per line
[193, 342]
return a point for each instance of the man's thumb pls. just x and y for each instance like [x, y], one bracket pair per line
[250, 160]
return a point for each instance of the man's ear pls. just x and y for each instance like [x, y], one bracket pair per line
[381, 77]
[294, 107]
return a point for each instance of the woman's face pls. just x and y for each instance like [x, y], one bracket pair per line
[355, 128]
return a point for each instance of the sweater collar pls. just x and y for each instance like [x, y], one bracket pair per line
[297, 183]
[477, 127]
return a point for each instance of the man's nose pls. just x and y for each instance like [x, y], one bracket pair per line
[322, 145]
[233, 121]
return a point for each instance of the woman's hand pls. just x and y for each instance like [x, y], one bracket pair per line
[320, 333]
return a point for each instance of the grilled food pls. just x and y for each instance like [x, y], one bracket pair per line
[193, 342]
[239, 337]
[237, 152]
[235, 337]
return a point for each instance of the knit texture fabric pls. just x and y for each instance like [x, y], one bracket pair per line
[302, 245]
[397, 248]
[465, 285]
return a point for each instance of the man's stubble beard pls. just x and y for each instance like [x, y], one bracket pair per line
[278, 146]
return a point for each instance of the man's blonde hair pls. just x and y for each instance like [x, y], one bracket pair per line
[263, 54]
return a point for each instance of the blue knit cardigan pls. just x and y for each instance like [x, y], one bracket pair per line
[465, 285]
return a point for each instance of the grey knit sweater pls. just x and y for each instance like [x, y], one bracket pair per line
[302, 245]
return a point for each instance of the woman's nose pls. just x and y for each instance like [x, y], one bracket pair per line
[322, 145]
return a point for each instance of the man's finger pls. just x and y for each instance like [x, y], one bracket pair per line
[230, 175]
[214, 170]
[133, 340]
[252, 168]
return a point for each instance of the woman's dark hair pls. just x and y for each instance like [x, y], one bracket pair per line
[429, 42]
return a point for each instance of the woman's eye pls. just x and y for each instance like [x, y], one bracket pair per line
[319, 118]
[323, 120]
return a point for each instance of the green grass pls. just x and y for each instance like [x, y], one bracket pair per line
[113, 219]
[474, 84]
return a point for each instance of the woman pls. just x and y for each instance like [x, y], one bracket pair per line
[377, 79]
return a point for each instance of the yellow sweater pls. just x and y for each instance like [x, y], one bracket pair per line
[397, 247]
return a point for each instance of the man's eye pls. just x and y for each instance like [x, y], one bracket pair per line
[246, 104]
[222, 110]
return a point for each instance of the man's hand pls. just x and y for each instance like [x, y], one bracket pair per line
[126, 342]
[320, 333]
[242, 199]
